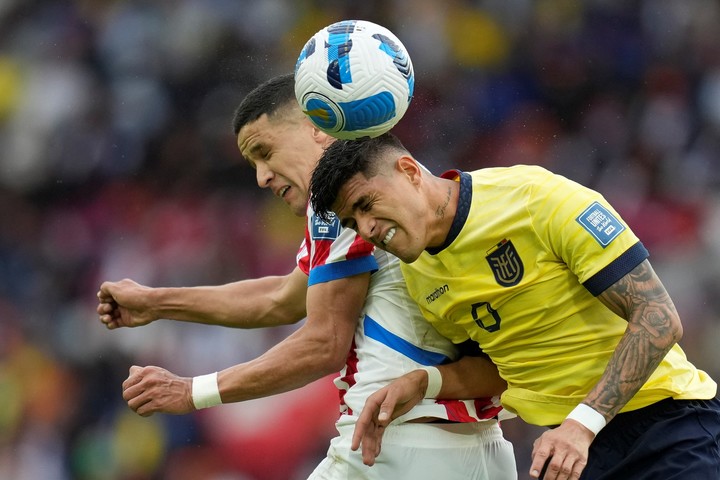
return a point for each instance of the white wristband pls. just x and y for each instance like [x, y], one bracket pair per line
[434, 382]
[205, 391]
[589, 417]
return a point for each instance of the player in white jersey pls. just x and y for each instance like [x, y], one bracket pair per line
[359, 317]
[391, 339]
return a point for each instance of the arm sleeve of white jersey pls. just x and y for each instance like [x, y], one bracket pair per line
[332, 257]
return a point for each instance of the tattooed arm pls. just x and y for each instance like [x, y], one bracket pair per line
[653, 328]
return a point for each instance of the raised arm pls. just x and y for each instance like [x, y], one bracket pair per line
[261, 302]
[316, 349]
[653, 328]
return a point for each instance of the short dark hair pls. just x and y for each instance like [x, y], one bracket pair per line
[267, 98]
[341, 161]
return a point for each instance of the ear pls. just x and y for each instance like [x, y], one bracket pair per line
[320, 137]
[408, 167]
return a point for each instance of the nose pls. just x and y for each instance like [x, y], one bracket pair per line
[263, 175]
[366, 227]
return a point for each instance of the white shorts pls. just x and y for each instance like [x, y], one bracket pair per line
[450, 451]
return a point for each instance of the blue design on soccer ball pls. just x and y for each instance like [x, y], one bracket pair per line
[355, 115]
[307, 51]
[338, 48]
[368, 112]
[400, 59]
[321, 114]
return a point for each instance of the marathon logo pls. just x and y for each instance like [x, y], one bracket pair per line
[437, 293]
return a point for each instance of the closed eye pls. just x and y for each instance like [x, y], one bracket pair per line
[364, 203]
[365, 207]
[257, 151]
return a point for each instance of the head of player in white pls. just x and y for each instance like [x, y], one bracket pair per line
[279, 141]
[378, 189]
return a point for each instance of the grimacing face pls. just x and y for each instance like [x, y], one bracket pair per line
[283, 151]
[387, 210]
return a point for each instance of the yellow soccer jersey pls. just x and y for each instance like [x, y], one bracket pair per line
[526, 254]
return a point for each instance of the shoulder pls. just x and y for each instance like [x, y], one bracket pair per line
[515, 175]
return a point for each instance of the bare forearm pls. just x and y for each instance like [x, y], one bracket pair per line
[244, 304]
[470, 377]
[316, 349]
[152, 389]
[653, 328]
[291, 364]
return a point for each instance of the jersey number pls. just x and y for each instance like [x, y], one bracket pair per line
[478, 312]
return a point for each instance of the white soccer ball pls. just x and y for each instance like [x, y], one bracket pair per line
[354, 79]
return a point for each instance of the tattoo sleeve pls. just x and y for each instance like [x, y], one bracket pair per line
[653, 328]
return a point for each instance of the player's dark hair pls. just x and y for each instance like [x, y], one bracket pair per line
[341, 161]
[267, 98]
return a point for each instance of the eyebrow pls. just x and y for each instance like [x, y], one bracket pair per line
[253, 152]
[353, 208]
[363, 199]
[256, 147]
[358, 202]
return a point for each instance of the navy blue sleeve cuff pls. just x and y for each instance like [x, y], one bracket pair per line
[620, 267]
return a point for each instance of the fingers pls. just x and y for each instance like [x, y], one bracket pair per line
[134, 377]
[371, 425]
[362, 427]
[371, 445]
[104, 294]
[107, 308]
[567, 470]
[386, 410]
[134, 391]
[540, 458]
[551, 464]
[372, 440]
[367, 421]
[109, 321]
[108, 316]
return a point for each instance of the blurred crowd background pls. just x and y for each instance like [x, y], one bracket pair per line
[117, 160]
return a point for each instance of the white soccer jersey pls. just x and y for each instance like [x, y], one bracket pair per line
[392, 337]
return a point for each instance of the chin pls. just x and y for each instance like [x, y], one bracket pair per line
[299, 211]
[406, 257]
[409, 259]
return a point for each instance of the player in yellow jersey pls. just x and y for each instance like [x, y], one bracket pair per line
[557, 290]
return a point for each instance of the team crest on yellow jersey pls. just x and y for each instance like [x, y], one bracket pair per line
[505, 263]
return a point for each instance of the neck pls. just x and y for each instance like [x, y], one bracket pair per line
[445, 206]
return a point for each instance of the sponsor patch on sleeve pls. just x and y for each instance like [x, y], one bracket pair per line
[600, 223]
[322, 230]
